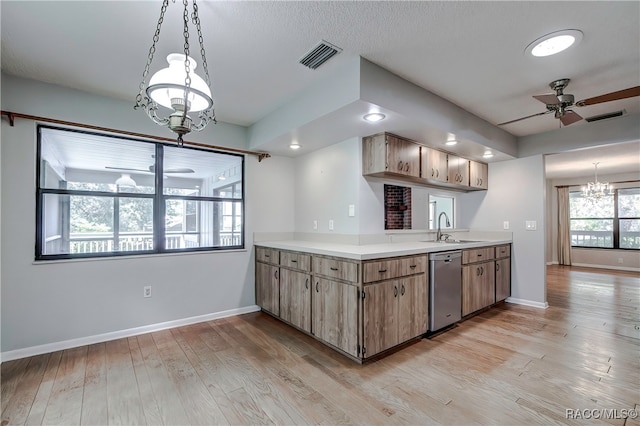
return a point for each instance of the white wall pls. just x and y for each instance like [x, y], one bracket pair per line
[516, 194]
[597, 258]
[48, 302]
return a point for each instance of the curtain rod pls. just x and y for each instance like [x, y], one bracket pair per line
[580, 184]
[13, 115]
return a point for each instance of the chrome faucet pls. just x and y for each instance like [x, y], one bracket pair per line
[448, 224]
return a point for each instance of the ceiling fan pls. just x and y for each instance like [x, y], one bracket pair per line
[152, 169]
[559, 102]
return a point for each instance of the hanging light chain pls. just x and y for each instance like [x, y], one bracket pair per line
[152, 51]
[196, 20]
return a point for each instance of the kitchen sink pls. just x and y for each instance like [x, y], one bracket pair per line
[452, 241]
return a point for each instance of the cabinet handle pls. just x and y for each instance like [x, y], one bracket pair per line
[333, 269]
[402, 290]
[275, 274]
[317, 290]
[382, 271]
[432, 172]
[406, 167]
[306, 284]
[395, 291]
[294, 261]
[480, 255]
[437, 173]
[266, 255]
[400, 165]
[412, 266]
[497, 266]
[482, 270]
[478, 271]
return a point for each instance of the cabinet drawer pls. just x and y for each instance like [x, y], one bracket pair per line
[477, 255]
[391, 268]
[503, 251]
[267, 255]
[293, 260]
[335, 268]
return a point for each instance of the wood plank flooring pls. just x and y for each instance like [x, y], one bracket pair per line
[509, 365]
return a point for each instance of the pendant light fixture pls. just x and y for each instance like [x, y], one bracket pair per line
[596, 190]
[177, 87]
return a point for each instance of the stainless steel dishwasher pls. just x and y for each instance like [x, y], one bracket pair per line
[445, 289]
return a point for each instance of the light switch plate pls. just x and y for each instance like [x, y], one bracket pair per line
[352, 210]
[530, 225]
[505, 224]
[330, 224]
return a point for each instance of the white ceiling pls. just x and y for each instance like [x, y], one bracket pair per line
[470, 53]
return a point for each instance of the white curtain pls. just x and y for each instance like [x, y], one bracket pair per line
[564, 237]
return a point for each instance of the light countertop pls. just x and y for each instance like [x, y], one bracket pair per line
[374, 251]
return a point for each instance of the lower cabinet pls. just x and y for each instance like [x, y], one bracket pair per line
[268, 287]
[335, 314]
[478, 286]
[295, 298]
[394, 311]
[503, 278]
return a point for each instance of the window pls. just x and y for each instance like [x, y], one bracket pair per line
[101, 195]
[611, 222]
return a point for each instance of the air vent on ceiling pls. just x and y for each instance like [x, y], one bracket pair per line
[605, 116]
[319, 55]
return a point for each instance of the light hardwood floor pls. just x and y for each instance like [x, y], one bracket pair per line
[510, 365]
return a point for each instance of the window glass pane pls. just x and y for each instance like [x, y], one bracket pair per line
[630, 233]
[135, 225]
[629, 202]
[202, 173]
[90, 162]
[192, 224]
[580, 207]
[591, 233]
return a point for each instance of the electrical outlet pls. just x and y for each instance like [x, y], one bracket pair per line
[147, 291]
[352, 210]
[315, 225]
[330, 224]
[505, 224]
[530, 225]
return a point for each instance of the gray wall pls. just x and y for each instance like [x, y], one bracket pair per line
[49, 302]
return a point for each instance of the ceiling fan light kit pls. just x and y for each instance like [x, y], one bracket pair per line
[553, 43]
[125, 181]
[178, 87]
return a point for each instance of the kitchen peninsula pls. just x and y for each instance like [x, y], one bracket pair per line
[366, 300]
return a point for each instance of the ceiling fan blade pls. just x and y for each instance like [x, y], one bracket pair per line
[570, 117]
[524, 118]
[613, 96]
[126, 169]
[547, 99]
[180, 170]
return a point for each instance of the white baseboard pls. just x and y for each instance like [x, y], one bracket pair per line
[526, 302]
[105, 337]
[617, 268]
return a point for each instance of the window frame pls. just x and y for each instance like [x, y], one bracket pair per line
[616, 223]
[158, 197]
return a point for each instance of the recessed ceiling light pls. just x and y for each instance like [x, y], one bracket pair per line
[553, 43]
[294, 145]
[451, 142]
[374, 116]
[488, 154]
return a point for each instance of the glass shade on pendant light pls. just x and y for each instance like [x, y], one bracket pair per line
[126, 181]
[167, 87]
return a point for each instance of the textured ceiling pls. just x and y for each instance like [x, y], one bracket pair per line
[470, 53]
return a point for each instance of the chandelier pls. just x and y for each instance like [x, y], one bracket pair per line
[596, 190]
[177, 87]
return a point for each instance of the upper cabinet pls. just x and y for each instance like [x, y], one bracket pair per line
[458, 170]
[388, 154]
[478, 175]
[434, 164]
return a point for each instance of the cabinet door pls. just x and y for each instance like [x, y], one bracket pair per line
[268, 287]
[413, 308]
[403, 157]
[503, 278]
[434, 164]
[295, 298]
[335, 314]
[478, 286]
[380, 320]
[478, 175]
[458, 170]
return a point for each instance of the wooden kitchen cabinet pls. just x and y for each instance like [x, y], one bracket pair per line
[335, 314]
[268, 287]
[458, 170]
[478, 175]
[503, 272]
[434, 164]
[394, 310]
[387, 154]
[295, 298]
[478, 279]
